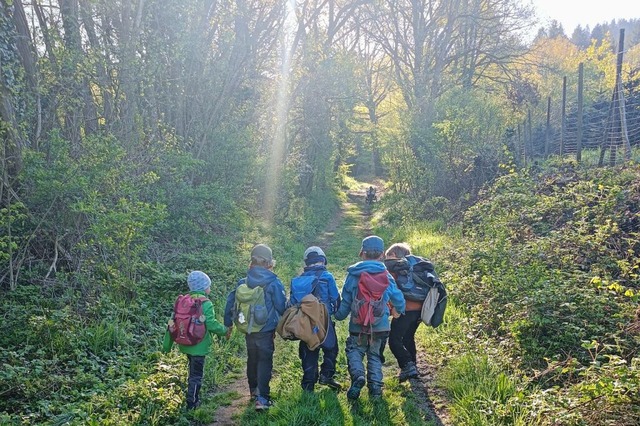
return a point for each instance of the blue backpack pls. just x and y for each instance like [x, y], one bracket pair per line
[416, 278]
[303, 285]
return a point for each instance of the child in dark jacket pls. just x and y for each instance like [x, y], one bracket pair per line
[402, 341]
[199, 286]
[368, 340]
[327, 293]
[260, 344]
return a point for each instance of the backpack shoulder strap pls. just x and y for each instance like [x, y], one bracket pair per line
[316, 281]
[175, 305]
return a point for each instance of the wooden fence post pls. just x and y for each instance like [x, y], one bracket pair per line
[580, 98]
[530, 135]
[547, 132]
[564, 114]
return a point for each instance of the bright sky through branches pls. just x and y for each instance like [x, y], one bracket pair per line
[571, 13]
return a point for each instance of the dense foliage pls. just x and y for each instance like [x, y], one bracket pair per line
[144, 139]
[547, 271]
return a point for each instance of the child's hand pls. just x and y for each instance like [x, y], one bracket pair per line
[394, 313]
[229, 330]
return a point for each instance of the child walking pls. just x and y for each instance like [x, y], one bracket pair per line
[402, 340]
[326, 291]
[255, 307]
[199, 288]
[367, 291]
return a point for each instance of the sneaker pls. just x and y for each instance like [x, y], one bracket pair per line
[409, 371]
[263, 403]
[356, 387]
[330, 381]
[253, 393]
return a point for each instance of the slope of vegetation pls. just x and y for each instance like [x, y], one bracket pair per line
[545, 281]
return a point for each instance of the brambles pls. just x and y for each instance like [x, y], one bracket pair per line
[549, 271]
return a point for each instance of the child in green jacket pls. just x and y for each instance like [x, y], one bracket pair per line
[199, 286]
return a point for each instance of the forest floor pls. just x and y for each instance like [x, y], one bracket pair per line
[423, 398]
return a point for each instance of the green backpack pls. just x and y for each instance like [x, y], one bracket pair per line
[250, 311]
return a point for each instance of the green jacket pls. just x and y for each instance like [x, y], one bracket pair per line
[213, 327]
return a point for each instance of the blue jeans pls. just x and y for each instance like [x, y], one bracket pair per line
[370, 345]
[310, 358]
[194, 382]
[260, 348]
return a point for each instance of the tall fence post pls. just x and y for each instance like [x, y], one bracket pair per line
[564, 115]
[518, 147]
[547, 132]
[530, 150]
[621, 104]
[580, 98]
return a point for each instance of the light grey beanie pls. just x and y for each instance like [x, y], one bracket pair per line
[198, 281]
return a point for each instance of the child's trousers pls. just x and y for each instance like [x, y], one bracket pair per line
[196, 373]
[260, 348]
[310, 358]
[370, 345]
[402, 341]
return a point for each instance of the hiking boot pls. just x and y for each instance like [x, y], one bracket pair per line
[330, 381]
[356, 387]
[262, 403]
[409, 371]
[375, 392]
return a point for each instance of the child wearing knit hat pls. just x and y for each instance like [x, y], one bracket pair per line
[199, 288]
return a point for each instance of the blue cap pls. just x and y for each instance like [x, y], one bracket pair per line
[198, 281]
[373, 243]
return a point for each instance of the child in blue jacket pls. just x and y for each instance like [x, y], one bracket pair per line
[327, 292]
[368, 340]
[260, 345]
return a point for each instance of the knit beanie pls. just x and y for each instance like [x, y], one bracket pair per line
[198, 281]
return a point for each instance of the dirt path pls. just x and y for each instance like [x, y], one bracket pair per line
[428, 397]
[237, 391]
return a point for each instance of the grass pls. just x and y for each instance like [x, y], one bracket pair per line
[478, 391]
[294, 407]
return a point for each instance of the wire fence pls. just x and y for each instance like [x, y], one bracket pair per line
[605, 131]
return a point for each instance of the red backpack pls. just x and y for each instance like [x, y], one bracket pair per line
[368, 305]
[188, 324]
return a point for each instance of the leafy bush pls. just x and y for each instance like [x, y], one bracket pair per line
[547, 270]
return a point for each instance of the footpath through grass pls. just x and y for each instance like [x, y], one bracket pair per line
[327, 407]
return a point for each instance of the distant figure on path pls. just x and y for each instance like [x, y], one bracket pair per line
[371, 195]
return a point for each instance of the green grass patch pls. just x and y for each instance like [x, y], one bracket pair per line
[482, 394]
[327, 407]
